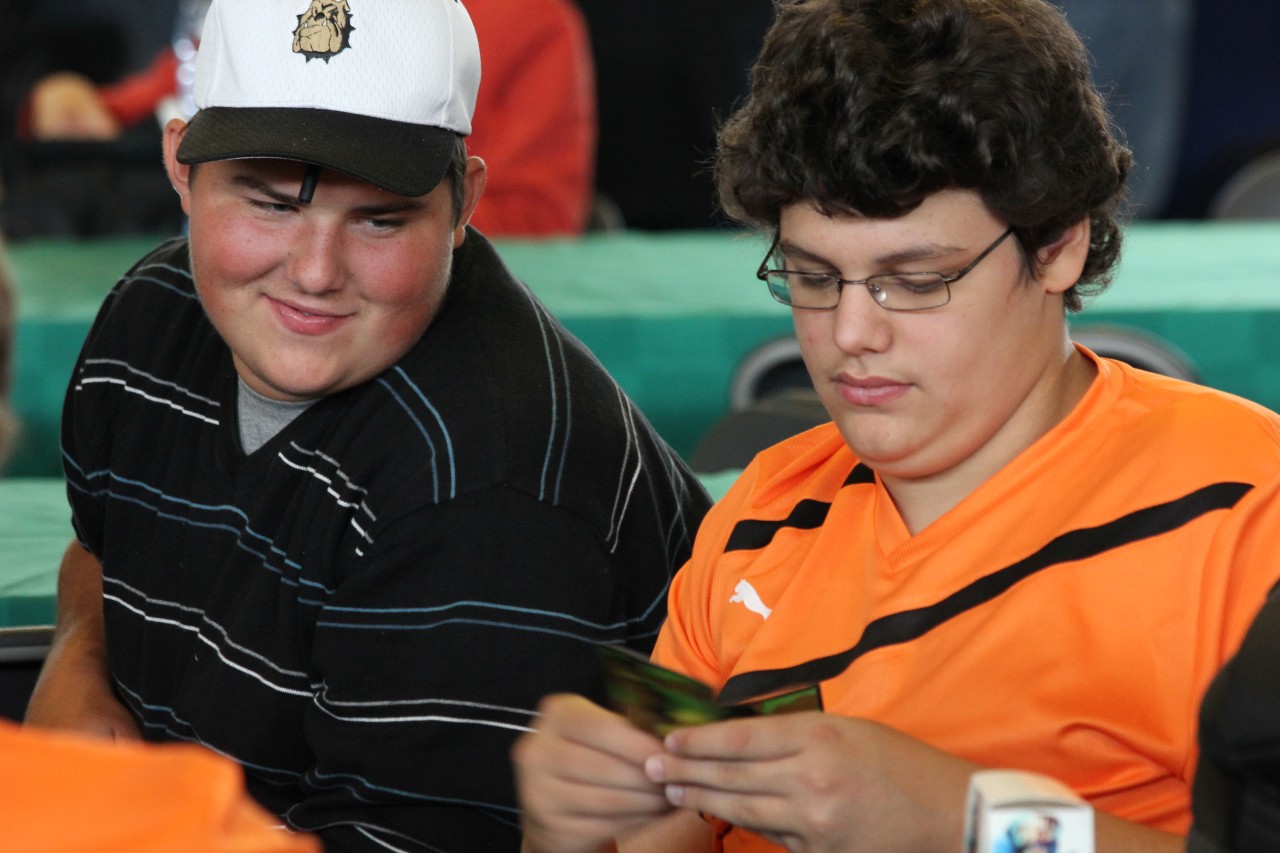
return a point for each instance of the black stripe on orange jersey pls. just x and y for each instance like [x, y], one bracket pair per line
[1068, 547]
[751, 534]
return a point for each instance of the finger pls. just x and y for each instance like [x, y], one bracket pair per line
[577, 798]
[764, 814]
[755, 738]
[577, 720]
[746, 777]
[577, 744]
[568, 798]
[547, 757]
[619, 808]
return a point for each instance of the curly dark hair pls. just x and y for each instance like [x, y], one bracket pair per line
[867, 107]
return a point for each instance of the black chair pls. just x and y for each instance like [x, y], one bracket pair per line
[89, 189]
[771, 399]
[22, 653]
[1140, 349]
[1252, 192]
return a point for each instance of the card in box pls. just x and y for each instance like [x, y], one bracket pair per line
[1013, 811]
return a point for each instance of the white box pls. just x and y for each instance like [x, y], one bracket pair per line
[1013, 811]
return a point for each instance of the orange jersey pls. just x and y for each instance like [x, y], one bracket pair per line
[1065, 618]
[68, 793]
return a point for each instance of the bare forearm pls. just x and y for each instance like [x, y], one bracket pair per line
[80, 598]
[74, 688]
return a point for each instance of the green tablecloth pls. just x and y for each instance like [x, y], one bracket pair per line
[671, 315]
[35, 528]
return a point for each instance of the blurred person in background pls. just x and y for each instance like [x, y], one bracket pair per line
[668, 73]
[535, 122]
[79, 145]
[1141, 51]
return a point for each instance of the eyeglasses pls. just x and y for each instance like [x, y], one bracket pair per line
[899, 291]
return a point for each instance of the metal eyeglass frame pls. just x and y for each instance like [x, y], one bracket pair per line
[878, 293]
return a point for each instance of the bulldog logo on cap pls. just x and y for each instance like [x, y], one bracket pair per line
[324, 30]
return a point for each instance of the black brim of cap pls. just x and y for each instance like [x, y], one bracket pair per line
[403, 158]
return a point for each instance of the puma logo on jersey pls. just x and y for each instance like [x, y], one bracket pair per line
[745, 594]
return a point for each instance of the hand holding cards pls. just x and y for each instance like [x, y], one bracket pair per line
[658, 699]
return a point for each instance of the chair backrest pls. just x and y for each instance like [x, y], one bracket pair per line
[605, 215]
[770, 398]
[22, 653]
[773, 366]
[1137, 348]
[735, 439]
[1252, 192]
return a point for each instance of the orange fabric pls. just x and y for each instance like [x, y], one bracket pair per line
[1090, 669]
[66, 793]
[535, 120]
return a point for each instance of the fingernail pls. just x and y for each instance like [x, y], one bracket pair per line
[675, 794]
[653, 769]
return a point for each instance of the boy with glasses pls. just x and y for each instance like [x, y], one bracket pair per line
[1004, 550]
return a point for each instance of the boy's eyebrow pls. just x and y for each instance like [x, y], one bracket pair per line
[256, 184]
[921, 252]
[252, 182]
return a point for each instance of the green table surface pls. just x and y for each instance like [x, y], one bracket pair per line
[35, 528]
[672, 314]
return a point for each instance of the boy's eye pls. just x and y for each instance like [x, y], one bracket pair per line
[271, 206]
[812, 280]
[917, 284]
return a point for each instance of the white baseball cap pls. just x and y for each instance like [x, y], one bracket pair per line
[379, 89]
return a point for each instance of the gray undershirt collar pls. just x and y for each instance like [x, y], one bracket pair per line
[261, 417]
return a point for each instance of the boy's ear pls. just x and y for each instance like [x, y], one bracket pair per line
[179, 173]
[1062, 261]
[477, 175]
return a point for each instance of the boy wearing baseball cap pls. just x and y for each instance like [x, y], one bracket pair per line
[347, 499]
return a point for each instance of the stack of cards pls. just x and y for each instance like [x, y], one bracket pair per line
[658, 699]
